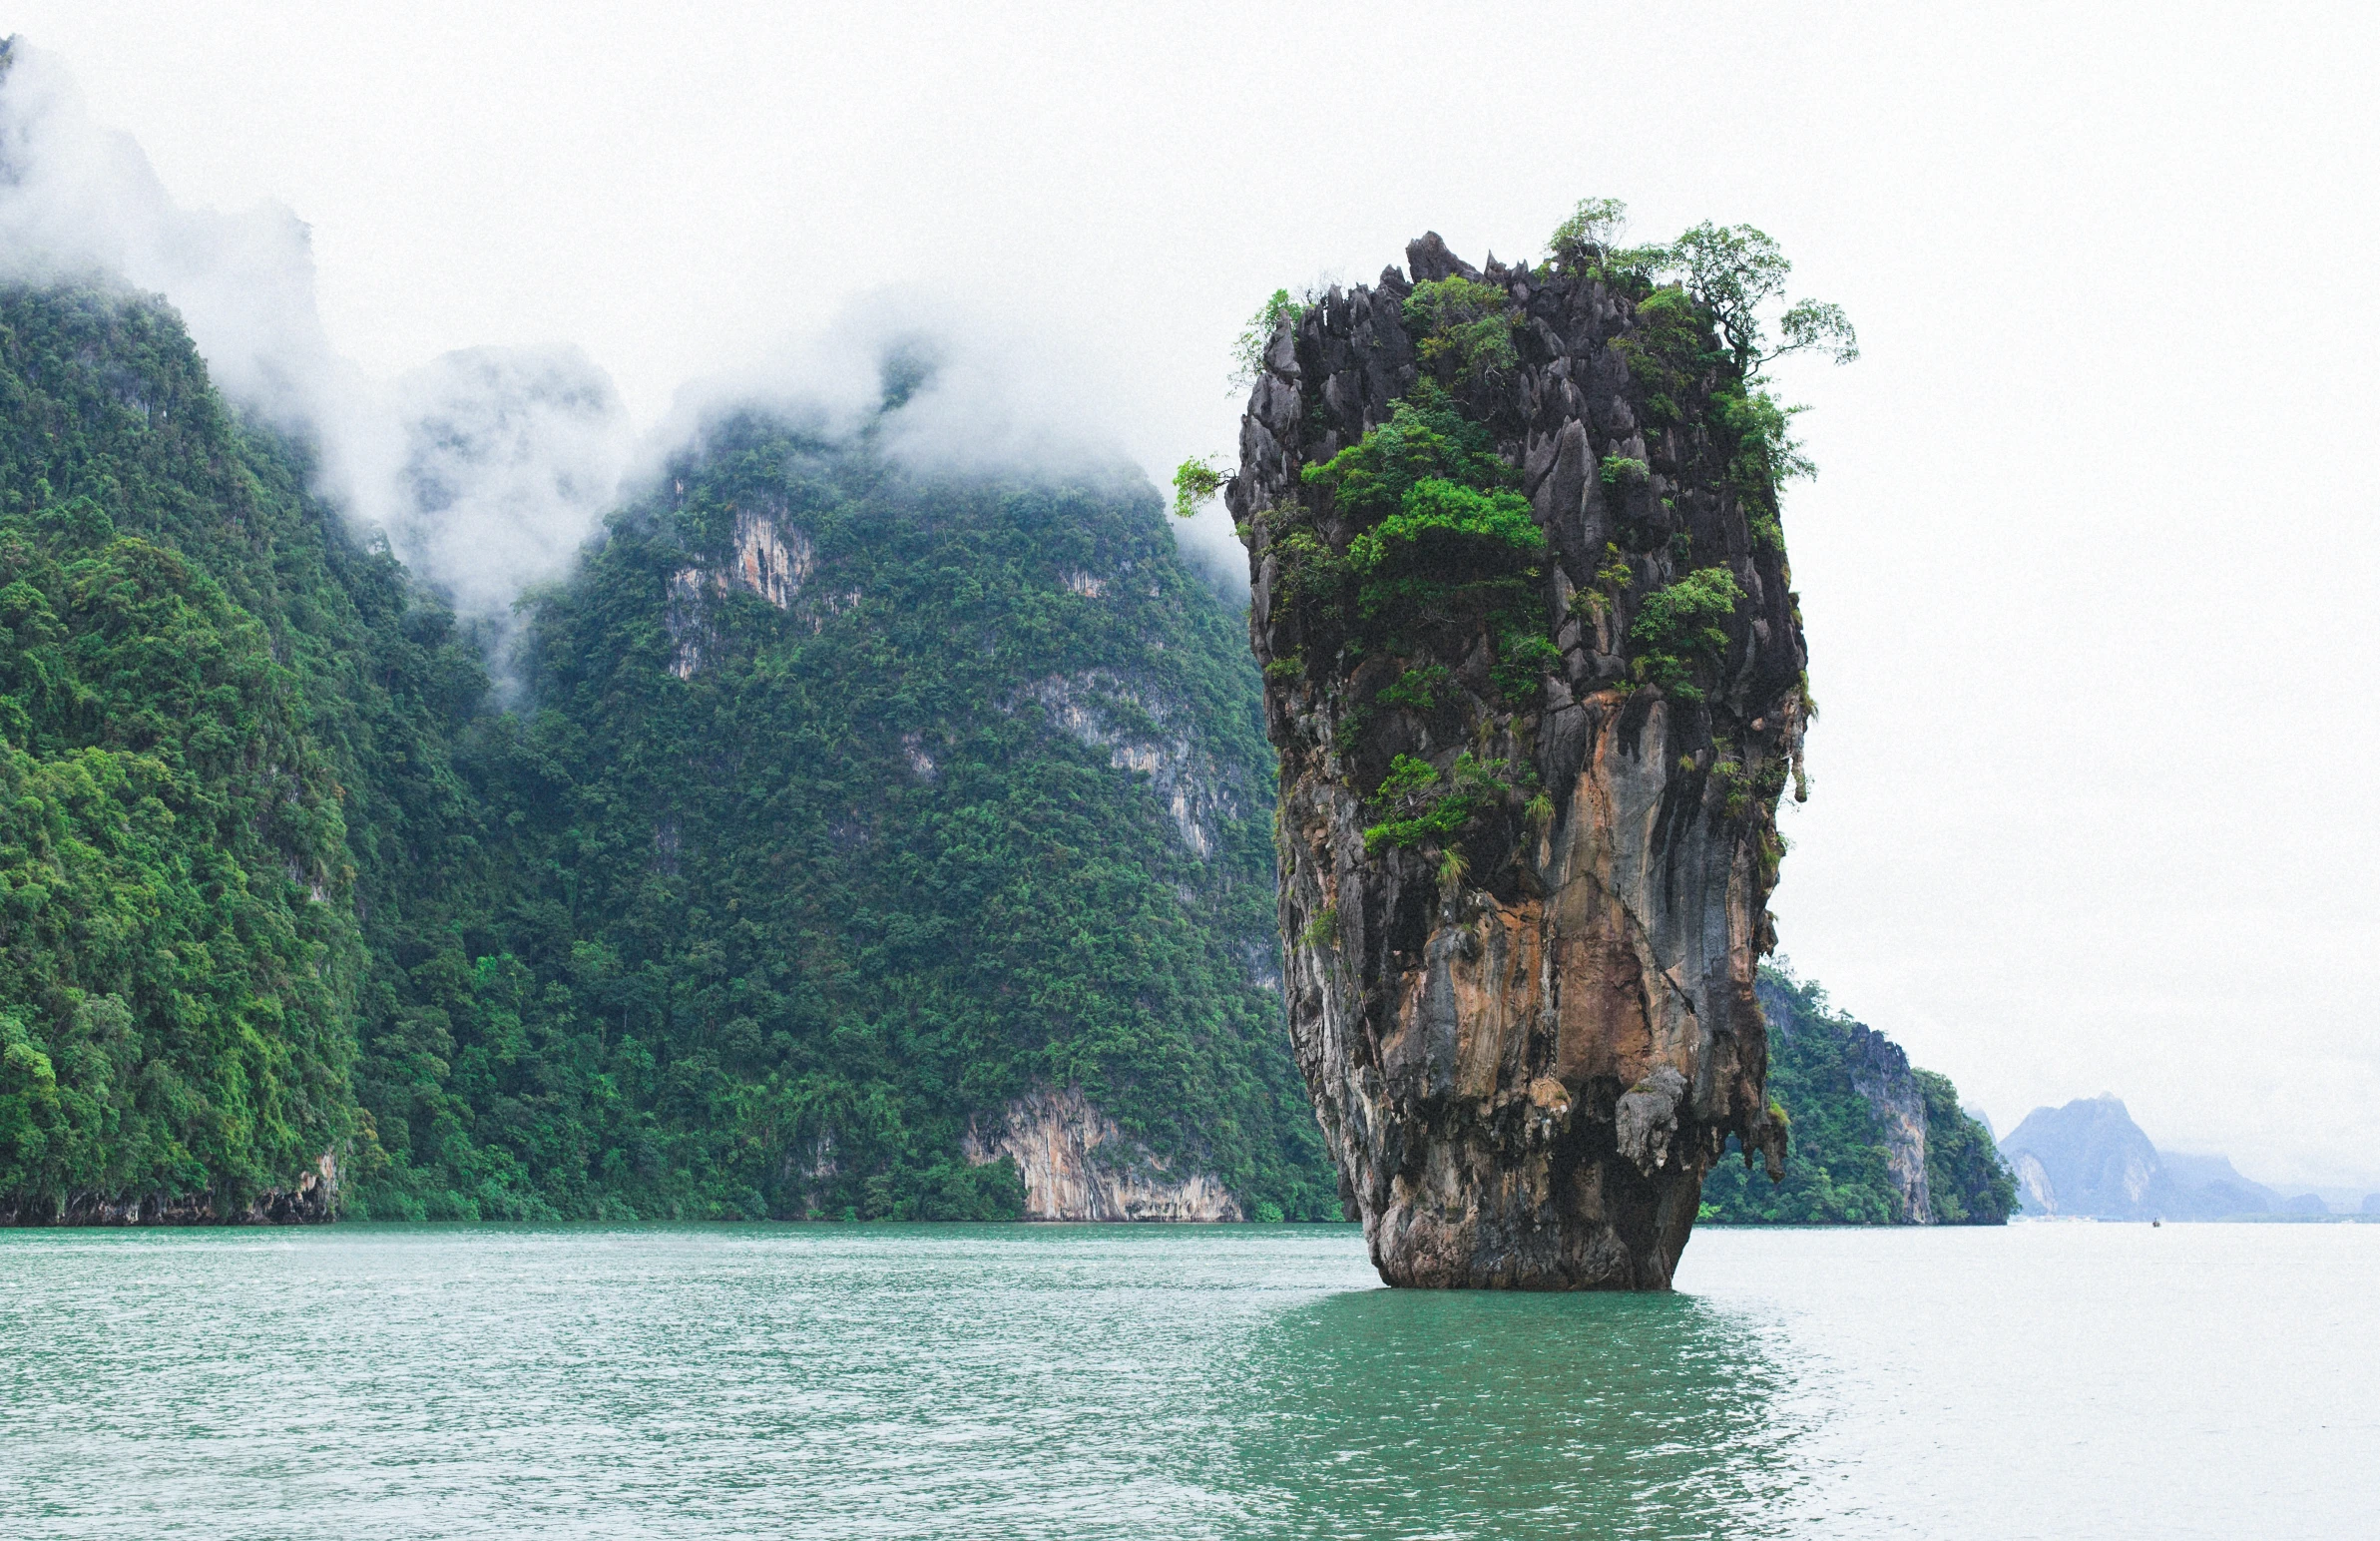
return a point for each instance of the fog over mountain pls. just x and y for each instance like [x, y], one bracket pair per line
[484, 469]
[487, 468]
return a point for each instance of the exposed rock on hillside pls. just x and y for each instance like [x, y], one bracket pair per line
[1525, 1013]
[1077, 1166]
[313, 1200]
[767, 556]
[1880, 1073]
[1143, 733]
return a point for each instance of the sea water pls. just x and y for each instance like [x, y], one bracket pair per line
[880, 1380]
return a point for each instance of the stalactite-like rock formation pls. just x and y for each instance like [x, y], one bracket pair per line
[1527, 824]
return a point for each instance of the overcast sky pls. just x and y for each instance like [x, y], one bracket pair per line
[2090, 570]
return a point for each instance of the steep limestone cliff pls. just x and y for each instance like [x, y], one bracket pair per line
[1526, 781]
[1880, 1073]
[1077, 1165]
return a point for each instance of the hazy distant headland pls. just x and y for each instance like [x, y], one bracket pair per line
[2089, 1158]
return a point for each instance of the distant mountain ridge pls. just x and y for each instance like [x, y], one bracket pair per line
[2089, 1158]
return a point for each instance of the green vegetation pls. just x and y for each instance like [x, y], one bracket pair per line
[757, 940]
[1837, 1172]
[1196, 481]
[1723, 279]
[1417, 688]
[1440, 535]
[1966, 1175]
[1464, 328]
[1417, 806]
[1681, 626]
[1424, 438]
[177, 958]
[228, 784]
[1441, 527]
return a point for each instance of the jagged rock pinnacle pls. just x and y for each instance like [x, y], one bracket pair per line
[1527, 836]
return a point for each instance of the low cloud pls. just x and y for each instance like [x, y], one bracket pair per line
[510, 457]
[976, 391]
[486, 471]
[489, 469]
[984, 385]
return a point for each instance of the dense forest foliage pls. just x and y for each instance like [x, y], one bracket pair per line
[213, 713]
[751, 907]
[1837, 1173]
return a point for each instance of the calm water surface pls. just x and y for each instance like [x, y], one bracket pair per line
[2065, 1381]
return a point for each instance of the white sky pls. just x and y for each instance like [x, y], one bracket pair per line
[2090, 572]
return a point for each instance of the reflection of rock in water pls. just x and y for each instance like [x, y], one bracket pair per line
[1421, 1413]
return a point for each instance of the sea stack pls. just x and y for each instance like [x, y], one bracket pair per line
[1536, 676]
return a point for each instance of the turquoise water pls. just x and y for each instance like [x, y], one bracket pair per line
[990, 1381]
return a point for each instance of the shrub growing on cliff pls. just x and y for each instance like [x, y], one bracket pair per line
[1441, 537]
[1463, 329]
[1424, 437]
[1681, 626]
[1195, 480]
[1418, 806]
[1417, 687]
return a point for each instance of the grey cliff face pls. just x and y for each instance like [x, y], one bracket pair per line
[1527, 1049]
[1077, 1165]
[312, 1198]
[1880, 1073]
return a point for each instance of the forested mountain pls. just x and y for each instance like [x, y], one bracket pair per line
[224, 727]
[1874, 1141]
[861, 839]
